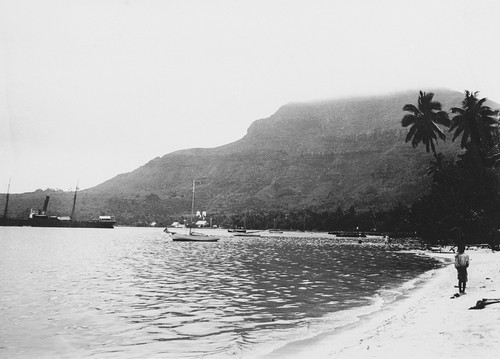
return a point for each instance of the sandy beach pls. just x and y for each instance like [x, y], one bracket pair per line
[428, 323]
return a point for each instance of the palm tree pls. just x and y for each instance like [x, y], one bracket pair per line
[476, 123]
[424, 119]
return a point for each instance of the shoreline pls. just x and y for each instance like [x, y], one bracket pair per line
[425, 322]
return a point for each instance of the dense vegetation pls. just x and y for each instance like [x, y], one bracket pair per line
[463, 201]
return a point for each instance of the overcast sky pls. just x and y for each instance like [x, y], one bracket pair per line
[93, 88]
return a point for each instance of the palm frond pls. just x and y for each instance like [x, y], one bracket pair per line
[442, 118]
[411, 108]
[486, 112]
[411, 133]
[480, 102]
[439, 132]
[433, 147]
[427, 145]
[408, 120]
[465, 139]
[428, 96]
[457, 110]
[455, 122]
[435, 106]
[417, 138]
[457, 133]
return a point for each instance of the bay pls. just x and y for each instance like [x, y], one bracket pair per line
[132, 292]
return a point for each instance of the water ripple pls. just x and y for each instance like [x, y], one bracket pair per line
[135, 293]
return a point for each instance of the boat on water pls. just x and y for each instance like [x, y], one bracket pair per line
[41, 218]
[247, 235]
[348, 234]
[193, 236]
[240, 229]
[236, 230]
[44, 220]
[274, 230]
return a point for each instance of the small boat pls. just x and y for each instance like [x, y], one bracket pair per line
[192, 236]
[348, 234]
[246, 235]
[274, 230]
[237, 230]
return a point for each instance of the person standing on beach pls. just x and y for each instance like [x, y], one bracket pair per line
[461, 264]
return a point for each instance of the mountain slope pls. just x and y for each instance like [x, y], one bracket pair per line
[326, 153]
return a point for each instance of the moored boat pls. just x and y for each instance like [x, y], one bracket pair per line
[41, 218]
[192, 236]
[236, 230]
[348, 234]
[246, 235]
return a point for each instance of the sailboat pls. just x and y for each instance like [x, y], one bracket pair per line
[274, 230]
[193, 236]
[243, 231]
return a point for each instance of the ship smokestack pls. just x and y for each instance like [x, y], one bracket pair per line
[46, 204]
[6, 202]
[74, 204]
[6, 206]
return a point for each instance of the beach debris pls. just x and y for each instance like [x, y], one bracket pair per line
[480, 304]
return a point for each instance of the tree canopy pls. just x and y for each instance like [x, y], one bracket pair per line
[423, 120]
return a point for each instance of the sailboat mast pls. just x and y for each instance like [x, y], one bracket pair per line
[74, 204]
[192, 208]
[6, 202]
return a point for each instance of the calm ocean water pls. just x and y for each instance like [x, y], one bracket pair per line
[133, 293]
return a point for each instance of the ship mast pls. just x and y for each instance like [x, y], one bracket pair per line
[192, 208]
[6, 202]
[74, 203]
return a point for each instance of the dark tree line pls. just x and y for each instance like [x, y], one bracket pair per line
[394, 220]
[463, 202]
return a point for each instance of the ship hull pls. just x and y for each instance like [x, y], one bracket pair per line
[193, 238]
[69, 224]
[11, 222]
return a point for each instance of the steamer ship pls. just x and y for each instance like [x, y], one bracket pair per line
[41, 218]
